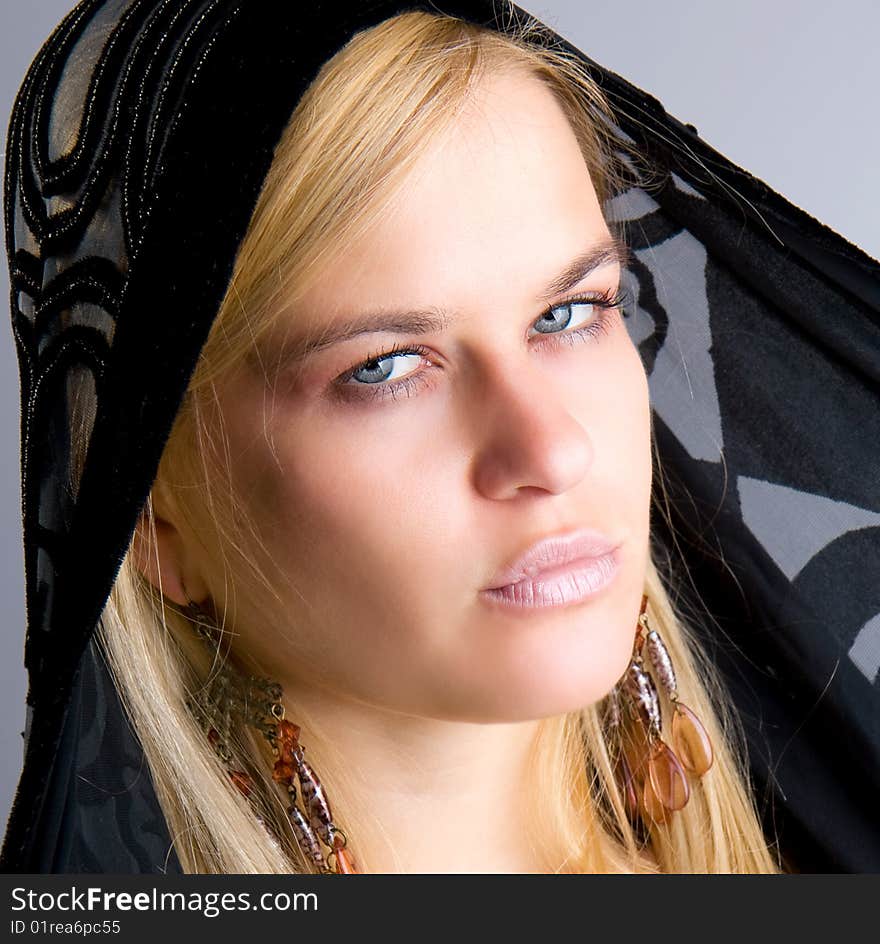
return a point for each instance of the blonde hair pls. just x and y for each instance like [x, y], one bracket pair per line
[400, 84]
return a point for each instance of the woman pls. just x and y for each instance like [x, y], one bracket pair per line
[373, 499]
[416, 391]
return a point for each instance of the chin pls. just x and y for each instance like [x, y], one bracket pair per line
[534, 698]
[527, 670]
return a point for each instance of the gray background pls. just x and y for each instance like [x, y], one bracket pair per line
[784, 89]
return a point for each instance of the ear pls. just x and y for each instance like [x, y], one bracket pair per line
[165, 561]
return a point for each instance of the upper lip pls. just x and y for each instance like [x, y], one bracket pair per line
[554, 551]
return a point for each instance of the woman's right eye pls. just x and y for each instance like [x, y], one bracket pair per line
[378, 376]
[385, 367]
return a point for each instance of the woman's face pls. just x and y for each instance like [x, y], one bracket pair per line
[392, 487]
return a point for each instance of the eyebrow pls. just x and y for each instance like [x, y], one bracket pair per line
[430, 320]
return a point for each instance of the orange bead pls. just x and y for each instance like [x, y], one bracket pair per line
[636, 749]
[242, 781]
[288, 731]
[651, 805]
[344, 862]
[690, 740]
[667, 776]
[282, 772]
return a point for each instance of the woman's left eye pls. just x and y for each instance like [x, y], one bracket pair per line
[579, 318]
[592, 320]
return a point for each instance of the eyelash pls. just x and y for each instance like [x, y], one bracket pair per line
[606, 302]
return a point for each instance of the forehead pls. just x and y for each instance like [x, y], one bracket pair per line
[502, 197]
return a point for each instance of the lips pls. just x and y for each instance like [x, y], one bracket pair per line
[553, 553]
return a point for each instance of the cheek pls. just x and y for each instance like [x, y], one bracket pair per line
[629, 402]
[610, 396]
[351, 477]
[341, 505]
[632, 400]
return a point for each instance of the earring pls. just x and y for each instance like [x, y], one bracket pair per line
[652, 776]
[229, 698]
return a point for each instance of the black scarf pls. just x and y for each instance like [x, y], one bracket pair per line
[136, 151]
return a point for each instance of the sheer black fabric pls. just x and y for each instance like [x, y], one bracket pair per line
[136, 151]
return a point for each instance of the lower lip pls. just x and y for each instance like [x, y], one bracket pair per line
[559, 586]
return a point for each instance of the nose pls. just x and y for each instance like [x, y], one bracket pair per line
[528, 438]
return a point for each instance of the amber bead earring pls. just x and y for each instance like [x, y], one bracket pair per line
[653, 776]
[229, 697]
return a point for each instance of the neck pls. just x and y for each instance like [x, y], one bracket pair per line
[430, 796]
